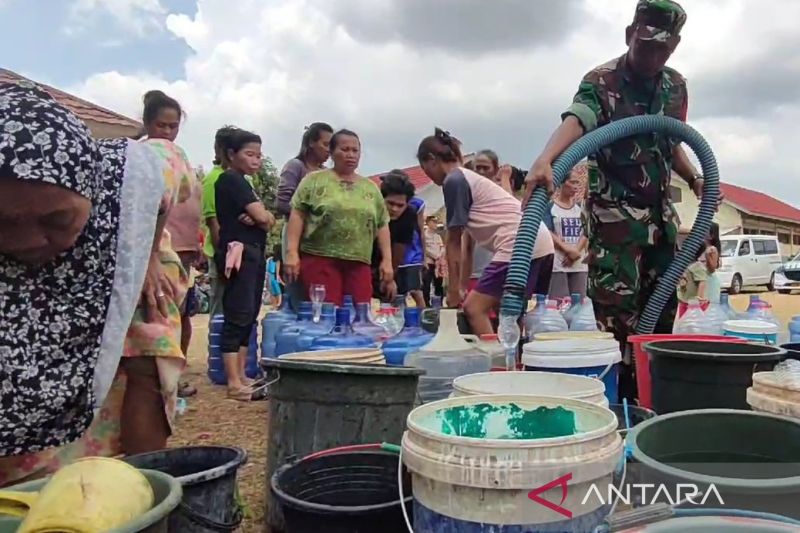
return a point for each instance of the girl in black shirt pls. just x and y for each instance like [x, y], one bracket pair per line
[243, 227]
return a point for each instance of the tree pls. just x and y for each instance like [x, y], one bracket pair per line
[265, 182]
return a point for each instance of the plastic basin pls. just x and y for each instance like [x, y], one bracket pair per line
[168, 494]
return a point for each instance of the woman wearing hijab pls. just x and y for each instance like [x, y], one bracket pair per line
[79, 249]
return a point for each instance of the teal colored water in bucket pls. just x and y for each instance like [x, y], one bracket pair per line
[476, 460]
[509, 421]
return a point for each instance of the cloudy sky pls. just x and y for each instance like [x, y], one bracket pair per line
[495, 73]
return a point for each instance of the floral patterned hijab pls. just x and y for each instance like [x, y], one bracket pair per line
[59, 322]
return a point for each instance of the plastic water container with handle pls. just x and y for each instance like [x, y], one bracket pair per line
[272, 323]
[445, 358]
[410, 339]
[574, 307]
[693, 321]
[794, 330]
[342, 335]
[286, 339]
[323, 327]
[364, 326]
[584, 319]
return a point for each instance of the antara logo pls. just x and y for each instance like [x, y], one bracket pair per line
[534, 495]
[648, 494]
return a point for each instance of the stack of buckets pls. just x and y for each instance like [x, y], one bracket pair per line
[463, 483]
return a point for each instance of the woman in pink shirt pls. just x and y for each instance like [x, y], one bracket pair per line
[491, 216]
[162, 120]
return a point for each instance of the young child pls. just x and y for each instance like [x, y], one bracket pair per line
[700, 281]
[491, 216]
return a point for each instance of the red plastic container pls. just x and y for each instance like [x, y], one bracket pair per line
[643, 363]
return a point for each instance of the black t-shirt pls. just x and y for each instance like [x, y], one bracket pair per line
[401, 231]
[233, 193]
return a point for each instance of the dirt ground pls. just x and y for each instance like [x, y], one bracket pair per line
[212, 419]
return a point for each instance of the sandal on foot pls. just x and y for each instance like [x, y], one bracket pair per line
[185, 390]
[241, 395]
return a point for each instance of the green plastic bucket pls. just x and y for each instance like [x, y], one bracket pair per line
[751, 459]
[168, 494]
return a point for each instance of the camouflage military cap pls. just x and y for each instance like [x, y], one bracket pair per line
[658, 20]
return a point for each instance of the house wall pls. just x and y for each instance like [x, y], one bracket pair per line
[728, 217]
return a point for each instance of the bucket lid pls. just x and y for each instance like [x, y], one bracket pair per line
[574, 353]
[536, 383]
[755, 327]
[572, 335]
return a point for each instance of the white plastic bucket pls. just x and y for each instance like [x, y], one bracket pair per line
[773, 394]
[534, 383]
[572, 335]
[594, 358]
[752, 331]
[480, 484]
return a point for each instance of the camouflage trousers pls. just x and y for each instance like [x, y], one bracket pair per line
[621, 280]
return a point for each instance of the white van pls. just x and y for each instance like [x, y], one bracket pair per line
[748, 260]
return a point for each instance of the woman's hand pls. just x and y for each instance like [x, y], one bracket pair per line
[386, 271]
[156, 291]
[245, 219]
[389, 290]
[291, 266]
[571, 255]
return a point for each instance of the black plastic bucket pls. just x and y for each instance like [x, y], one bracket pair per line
[752, 459]
[208, 477]
[351, 492]
[792, 350]
[320, 406]
[689, 375]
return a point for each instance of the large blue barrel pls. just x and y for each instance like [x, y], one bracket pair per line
[216, 367]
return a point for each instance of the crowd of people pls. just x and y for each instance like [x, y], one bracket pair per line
[99, 250]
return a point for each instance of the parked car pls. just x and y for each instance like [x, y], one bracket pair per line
[749, 260]
[787, 276]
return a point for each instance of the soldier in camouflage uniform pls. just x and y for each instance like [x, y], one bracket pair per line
[630, 221]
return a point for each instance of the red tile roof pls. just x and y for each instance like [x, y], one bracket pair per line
[84, 110]
[417, 176]
[759, 204]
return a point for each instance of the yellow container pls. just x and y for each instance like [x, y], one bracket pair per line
[572, 335]
[91, 495]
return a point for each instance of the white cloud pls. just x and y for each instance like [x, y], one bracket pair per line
[135, 16]
[276, 65]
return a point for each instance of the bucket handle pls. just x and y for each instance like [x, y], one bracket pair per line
[208, 523]
[604, 372]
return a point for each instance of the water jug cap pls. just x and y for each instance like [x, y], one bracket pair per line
[576, 297]
[411, 315]
[540, 298]
[342, 315]
[348, 299]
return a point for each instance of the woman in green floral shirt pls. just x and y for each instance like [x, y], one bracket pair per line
[336, 217]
